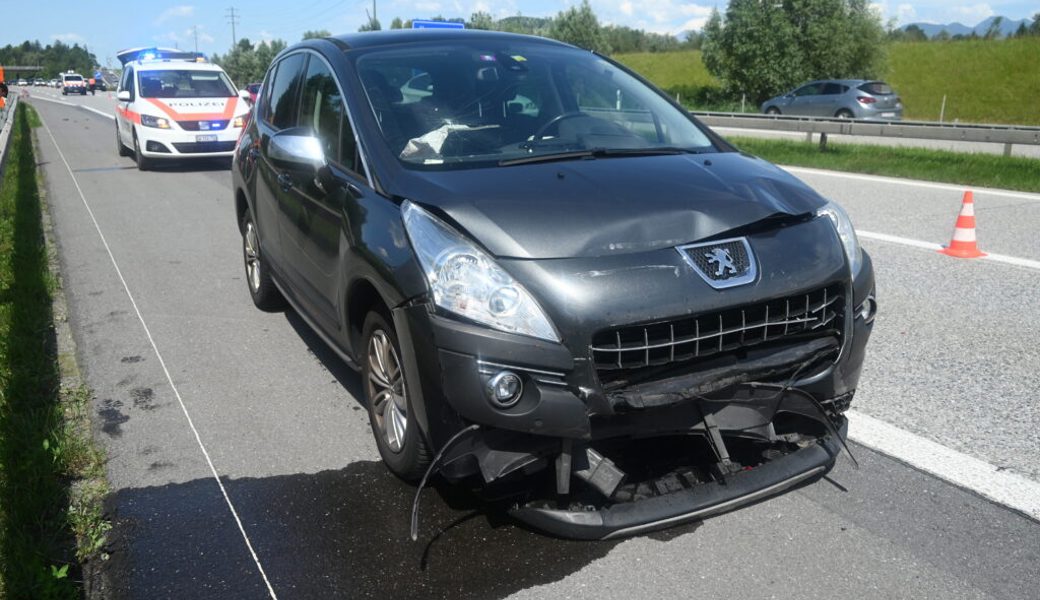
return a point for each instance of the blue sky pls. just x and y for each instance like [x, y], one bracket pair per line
[106, 27]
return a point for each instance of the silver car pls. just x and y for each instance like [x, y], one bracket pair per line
[839, 98]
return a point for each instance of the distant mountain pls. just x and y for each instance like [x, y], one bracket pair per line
[1007, 27]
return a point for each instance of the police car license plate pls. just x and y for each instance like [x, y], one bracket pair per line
[205, 138]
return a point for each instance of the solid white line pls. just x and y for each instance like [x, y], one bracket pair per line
[895, 239]
[162, 363]
[51, 100]
[1002, 487]
[99, 112]
[913, 182]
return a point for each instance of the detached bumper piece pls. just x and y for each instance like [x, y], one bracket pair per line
[682, 496]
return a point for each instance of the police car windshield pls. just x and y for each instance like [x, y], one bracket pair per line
[73, 78]
[168, 83]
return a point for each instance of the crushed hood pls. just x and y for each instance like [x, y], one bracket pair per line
[596, 207]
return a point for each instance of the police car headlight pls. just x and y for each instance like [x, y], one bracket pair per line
[843, 225]
[157, 122]
[466, 281]
[238, 122]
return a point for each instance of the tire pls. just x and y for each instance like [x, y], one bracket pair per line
[120, 148]
[397, 435]
[262, 290]
[772, 110]
[844, 114]
[143, 162]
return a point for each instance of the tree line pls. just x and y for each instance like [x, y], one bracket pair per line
[914, 33]
[53, 59]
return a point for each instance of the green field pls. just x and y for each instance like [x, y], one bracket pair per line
[984, 81]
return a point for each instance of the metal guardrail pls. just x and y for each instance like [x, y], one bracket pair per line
[1008, 135]
[6, 125]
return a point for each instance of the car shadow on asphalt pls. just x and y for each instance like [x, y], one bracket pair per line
[338, 533]
[346, 376]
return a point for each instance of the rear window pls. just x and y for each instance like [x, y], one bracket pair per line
[184, 84]
[878, 88]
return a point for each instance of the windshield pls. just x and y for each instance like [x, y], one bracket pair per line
[73, 78]
[184, 84]
[480, 102]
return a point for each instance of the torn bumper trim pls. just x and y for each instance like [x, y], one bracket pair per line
[705, 500]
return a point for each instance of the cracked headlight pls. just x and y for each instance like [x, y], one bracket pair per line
[466, 281]
[843, 225]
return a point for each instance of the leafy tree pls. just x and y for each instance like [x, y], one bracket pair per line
[396, 23]
[761, 48]
[1022, 30]
[372, 25]
[481, 20]
[579, 26]
[54, 59]
[247, 62]
[320, 33]
[1034, 27]
[913, 33]
[993, 31]
[942, 36]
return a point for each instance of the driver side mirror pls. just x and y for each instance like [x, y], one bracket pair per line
[293, 149]
[123, 96]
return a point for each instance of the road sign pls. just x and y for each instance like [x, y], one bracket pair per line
[437, 25]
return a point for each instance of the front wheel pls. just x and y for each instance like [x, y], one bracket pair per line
[120, 148]
[772, 110]
[143, 162]
[262, 288]
[397, 434]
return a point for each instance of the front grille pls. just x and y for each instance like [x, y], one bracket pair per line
[203, 147]
[194, 125]
[618, 352]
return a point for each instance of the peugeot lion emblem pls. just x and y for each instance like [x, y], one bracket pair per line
[722, 263]
[720, 256]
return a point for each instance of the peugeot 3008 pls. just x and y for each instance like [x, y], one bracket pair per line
[556, 283]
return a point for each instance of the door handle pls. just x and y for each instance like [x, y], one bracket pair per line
[285, 181]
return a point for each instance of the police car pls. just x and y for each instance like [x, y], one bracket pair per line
[174, 105]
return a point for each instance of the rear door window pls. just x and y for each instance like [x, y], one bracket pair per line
[878, 88]
[834, 89]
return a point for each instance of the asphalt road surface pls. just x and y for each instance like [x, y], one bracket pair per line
[256, 400]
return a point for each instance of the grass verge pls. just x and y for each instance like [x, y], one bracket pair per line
[51, 473]
[982, 170]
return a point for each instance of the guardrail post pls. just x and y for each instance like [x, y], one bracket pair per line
[1007, 149]
[808, 137]
[823, 142]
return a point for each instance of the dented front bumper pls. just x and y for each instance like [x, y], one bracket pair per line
[783, 401]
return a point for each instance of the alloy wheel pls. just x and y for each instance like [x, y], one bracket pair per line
[386, 390]
[252, 252]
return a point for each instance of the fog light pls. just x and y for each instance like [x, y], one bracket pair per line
[868, 309]
[504, 389]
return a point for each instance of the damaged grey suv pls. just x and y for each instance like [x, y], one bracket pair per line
[560, 288]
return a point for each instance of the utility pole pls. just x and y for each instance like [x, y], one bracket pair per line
[233, 19]
[195, 32]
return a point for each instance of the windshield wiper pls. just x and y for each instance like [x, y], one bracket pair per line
[598, 153]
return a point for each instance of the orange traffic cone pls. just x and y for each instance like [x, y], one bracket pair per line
[963, 244]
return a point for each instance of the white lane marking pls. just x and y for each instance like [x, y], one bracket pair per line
[162, 363]
[51, 100]
[99, 112]
[1002, 487]
[895, 239]
[914, 183]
